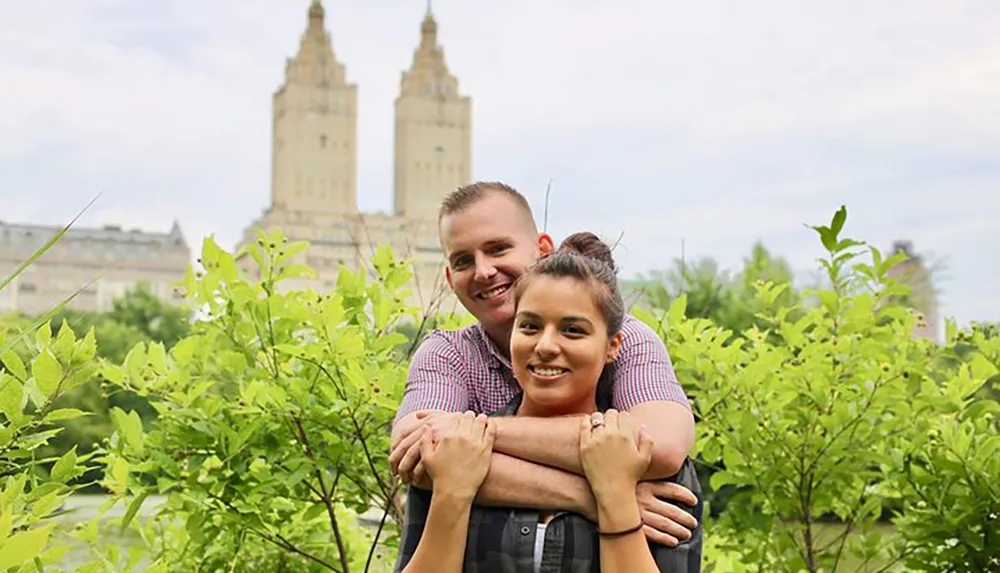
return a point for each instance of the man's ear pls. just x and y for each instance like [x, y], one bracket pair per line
[545, 244]
[614, 346]
[447, 277]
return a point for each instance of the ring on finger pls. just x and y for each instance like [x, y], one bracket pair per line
[596, 420]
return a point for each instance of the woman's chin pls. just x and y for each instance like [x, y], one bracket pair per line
[553, 400]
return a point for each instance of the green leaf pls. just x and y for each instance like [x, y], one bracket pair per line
[133, 509]
[130, 427]
[117, 480]
[65, 468]
[158, 357]
[61, 414]
[47, 372]
[675, 314]
[838, 221]
[25, 546]
[14, 365]
[981, 368]
[314, 511]
[826, 237]
[11, 397]
[6, 525]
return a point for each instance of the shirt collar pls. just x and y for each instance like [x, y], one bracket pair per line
[497, 359]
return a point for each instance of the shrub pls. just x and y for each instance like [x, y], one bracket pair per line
[950, 517]
[34, 487]
[813, 416]
[272, 430]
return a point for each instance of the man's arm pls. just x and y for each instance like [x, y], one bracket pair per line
[513, 482]
[435, 382]
[668, 423]
[644, 384]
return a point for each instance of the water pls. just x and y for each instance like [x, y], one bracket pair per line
[83, 508]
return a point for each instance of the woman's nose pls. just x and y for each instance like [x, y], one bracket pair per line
[546, 346]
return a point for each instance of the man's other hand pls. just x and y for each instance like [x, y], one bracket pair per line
[664, 522]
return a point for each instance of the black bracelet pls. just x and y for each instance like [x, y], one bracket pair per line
[620, 533]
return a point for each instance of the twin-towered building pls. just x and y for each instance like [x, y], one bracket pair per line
[313, 189]
[314, 161]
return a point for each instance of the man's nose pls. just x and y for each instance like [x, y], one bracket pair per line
[484, 269]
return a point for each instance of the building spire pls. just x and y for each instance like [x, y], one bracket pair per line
[315, 62]
[428, 74]
[316, 30]
[428, 30]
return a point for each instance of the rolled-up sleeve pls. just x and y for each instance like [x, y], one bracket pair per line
[643, 371]
[436, 380]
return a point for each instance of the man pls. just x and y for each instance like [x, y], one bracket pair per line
[490, 238]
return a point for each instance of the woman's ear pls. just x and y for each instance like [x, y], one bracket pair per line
[614, 345]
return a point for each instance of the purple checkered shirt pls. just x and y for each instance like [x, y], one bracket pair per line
[459, 370]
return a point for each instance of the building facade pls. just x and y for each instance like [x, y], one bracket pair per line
[95, 265]
[314, 163]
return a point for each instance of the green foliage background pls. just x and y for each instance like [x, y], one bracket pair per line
[830, 438]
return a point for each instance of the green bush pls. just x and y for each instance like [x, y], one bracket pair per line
[33, 487]
[38, 367]
[818, 421]
[950, 518]
[272, 429]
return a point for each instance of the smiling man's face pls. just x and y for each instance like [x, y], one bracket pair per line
[489, 244]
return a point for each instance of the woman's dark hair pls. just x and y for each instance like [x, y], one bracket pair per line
[585, 257]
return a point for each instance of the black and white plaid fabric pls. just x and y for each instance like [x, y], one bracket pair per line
[502, 540]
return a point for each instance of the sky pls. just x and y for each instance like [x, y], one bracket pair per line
[694, 128]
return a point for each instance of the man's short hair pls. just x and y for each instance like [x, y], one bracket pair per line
[467, 195]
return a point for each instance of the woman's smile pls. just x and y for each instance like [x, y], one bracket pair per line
[547, 373]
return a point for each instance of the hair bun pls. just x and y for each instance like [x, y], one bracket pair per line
[589, 245]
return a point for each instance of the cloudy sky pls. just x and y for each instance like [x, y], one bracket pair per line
[712, 123]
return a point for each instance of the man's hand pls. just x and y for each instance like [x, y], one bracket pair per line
[663, 522]
[458, 456]
[405, 455]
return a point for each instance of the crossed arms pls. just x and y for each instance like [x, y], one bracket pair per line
[536, 461]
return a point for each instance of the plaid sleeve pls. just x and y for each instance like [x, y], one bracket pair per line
[643, 371]
[436, 379]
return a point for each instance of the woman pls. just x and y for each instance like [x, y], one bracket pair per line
[566, 330]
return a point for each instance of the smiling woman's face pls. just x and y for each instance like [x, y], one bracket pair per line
[559, 346]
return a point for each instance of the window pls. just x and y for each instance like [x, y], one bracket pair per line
[322, 141]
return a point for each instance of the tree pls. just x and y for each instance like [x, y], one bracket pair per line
[727, 300]
[152, 316]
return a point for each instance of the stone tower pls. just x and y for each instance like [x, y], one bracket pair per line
[314, 146]
[314, 195]
[433, 136]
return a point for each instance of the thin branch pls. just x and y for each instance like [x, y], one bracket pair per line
[545, 214]
[331, 512]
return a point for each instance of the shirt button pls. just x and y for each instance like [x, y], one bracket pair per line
[525, 530]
